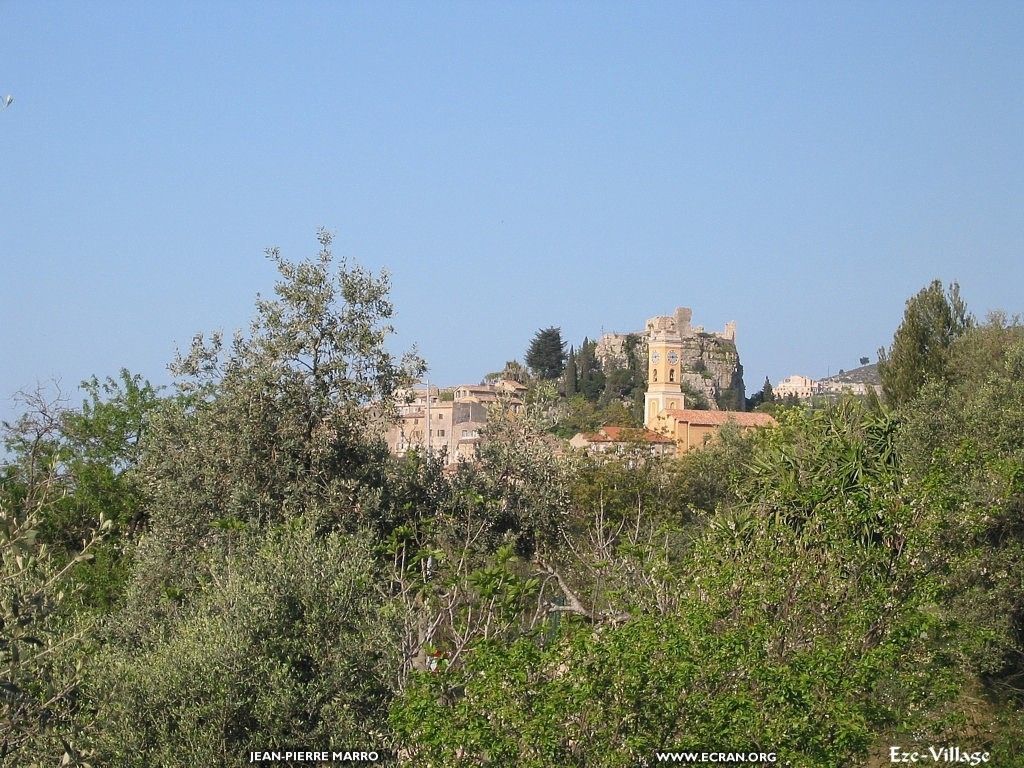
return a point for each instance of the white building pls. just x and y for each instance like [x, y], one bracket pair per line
[801, 386]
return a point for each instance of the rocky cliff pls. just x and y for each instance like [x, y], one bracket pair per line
[714, 369]
[710, 360]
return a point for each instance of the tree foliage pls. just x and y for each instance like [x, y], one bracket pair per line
[571, 376]
[847, 580]
[694, 398]
[89, 457]
[37, 686]
[284, 422]
[805, 617]
[546, 354]
[765, 396]
[965, 438]
[932, 321]
[290, 641]
[591, 377]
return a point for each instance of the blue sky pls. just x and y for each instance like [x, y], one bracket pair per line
[799, 168]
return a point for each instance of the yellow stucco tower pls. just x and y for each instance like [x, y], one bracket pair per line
[664, 364]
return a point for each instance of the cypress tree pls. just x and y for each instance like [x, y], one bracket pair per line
[591, 378]
[571, 374]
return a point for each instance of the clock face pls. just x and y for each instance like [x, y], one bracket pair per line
[673, 358]
[655, 357]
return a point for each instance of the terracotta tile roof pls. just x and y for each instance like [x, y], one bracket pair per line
[625, 435]
[718, 418]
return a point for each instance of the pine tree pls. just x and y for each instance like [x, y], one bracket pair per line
[767, 393]
[546, 355]
[931, 323]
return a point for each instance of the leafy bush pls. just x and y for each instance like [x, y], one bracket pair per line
[290, 642]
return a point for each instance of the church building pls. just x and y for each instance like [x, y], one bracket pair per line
[665, 410]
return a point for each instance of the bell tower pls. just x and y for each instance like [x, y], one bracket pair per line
[664, 365]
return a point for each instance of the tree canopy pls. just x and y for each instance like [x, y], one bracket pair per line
[546, 353]
[844, 581]
[932, 321]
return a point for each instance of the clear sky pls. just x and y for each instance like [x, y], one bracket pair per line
[799, 168]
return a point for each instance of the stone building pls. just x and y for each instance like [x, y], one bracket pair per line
[859, 382]
[680, 354]
[707, 362]
[801, 387]
[694, 429]
[448, 422]
[624, 439]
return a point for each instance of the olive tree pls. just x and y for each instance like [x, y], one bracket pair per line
[291, 641]
[40, 645]
[284, 421]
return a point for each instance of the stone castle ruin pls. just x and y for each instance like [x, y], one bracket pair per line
[709, 361]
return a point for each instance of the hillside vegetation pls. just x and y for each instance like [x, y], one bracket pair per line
[237, 563]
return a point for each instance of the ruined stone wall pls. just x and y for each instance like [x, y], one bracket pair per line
[611, 351]
[710, 361]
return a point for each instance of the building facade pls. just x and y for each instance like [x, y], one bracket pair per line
[801, 387]
[692, 429]
[448, 422]
[665, 411]
[624, 440]
[664, 363]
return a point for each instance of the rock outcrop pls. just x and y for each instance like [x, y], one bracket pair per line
[710, 361]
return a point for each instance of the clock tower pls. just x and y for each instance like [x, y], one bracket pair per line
[664, 366]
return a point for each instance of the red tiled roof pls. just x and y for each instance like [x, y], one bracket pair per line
[625, 435]
[718, 418]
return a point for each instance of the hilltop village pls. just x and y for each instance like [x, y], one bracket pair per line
[859, 381]
[670, 387]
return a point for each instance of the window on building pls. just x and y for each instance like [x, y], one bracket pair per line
[440, 433]
[654, 375]
[671, 374]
